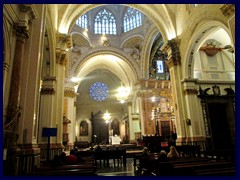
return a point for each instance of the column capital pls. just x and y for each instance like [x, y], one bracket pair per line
[22, 31]
[64, 40]
[172, 49]
[61, 56]
[70, 93]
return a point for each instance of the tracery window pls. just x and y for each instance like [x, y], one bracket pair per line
[82, 21]
[99, 91]
[105, 23]
[132, 19]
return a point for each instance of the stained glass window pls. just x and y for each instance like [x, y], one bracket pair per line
[82, 21]
[132, 19]
[99, 91]
[105, 23]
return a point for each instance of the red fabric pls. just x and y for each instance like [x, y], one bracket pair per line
[71, 159]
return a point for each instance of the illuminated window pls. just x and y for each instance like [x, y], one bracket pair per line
[132, 19]
[99, 91]
[82, 21]
[105, 23]
[160, 67]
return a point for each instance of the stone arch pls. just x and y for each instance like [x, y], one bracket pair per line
[147, 50]
[82, 36]
[201, 32]
[122, 67]
[73, 12]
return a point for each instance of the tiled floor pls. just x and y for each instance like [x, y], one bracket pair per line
[116, 171]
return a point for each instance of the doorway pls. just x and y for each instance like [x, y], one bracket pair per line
[220, 125]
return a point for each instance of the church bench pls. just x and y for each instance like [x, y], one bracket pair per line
[227, 171]
[65, 172]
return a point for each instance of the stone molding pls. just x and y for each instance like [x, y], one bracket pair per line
[190, 91]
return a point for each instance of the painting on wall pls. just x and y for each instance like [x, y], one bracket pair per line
[83, 128]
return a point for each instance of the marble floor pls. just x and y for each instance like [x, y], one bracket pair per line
[116, 171]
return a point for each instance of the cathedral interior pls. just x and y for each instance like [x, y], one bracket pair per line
[81, 75]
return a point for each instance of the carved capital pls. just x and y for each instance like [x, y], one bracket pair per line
[228, 10]
[64, 39]
[21, 30]
[173, 52]
[61, 57]
[70, 93]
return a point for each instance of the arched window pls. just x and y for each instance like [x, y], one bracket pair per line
[82, 21]
[132, 19]
[105, 23]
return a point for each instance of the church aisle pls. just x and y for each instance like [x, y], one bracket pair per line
[118, 170]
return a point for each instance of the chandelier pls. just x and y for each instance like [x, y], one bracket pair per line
[122, 93]
[107, 117]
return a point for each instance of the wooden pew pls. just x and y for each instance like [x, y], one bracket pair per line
[68, 169]
[191, 168]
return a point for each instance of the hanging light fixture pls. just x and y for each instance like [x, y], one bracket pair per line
[107, 117]
[122, 94]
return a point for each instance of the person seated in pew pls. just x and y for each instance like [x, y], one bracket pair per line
[164, 166]
[145, 152]
[162, 156]
[173, 154]
[72, 158]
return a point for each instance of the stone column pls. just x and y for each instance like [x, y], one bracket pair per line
[194, 127]
[131, 128]
[174, 65]
[14, 95]
[70, 113]
[63, 43]
[47, 107]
